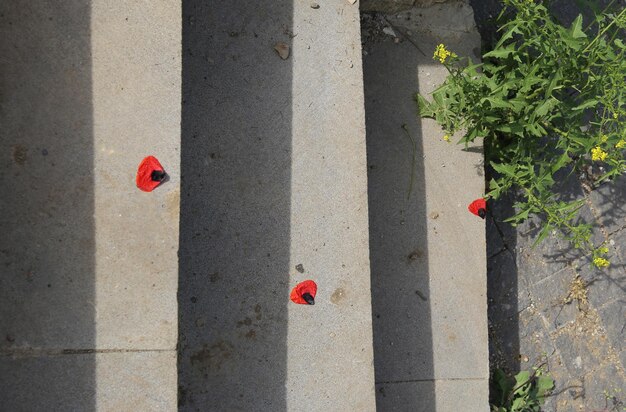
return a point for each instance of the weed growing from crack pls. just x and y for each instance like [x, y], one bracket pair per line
[548, 102]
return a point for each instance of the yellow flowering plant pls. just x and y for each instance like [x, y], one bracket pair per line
[442, 54]
[546, 99]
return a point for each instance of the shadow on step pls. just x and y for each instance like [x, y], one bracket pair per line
[235, 206]
[47, 247]
[403, 346]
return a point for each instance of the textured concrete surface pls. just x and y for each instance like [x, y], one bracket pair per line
[125, 381]
[273, 176]
[393, 6]
[421, 396]
[427, 251]
[136, 67]
[88, 261]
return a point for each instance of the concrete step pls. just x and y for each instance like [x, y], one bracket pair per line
[268, 158]
[88, 311]
[274, 176]
[427, 251]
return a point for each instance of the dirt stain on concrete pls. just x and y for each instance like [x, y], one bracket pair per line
[212, 357]
[257, 310]
[415, 255]
[247, 322]
[338, 295]
[172, 203]
[214, 277]
[20, 154]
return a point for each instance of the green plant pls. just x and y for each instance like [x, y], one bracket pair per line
[525, 392]
[548, 102]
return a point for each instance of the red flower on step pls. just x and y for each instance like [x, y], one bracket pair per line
[478, 207]
[150, 174]
[304, 293]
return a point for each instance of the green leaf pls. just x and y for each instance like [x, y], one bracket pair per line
[501, 53]
[536, 129]
[521, 378]
[424, 106]
[589, 103]
[496, 102]
[508, 35]
[562, 161]
[544, 385]
[504, 169]
[512, 128]
[545, 231]
[517, 404]
[518, 104]
[520, 217]
[546, 106]
[554, 83]
[504, 384]
[572, 43]
[438, 97]
[575, 29]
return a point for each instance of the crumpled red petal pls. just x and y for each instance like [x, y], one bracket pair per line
[144, 174]
[308, 286]
[478, 207]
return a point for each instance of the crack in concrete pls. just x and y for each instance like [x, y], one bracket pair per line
[38, 352]
[430, 380]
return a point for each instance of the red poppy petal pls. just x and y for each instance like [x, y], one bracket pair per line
[144, 174]
[477, 205]
[308, 286]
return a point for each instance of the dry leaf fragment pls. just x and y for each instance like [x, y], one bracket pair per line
[282, 49]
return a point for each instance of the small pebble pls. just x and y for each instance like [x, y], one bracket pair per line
[44, 152]
[315, 6]
[389, 31]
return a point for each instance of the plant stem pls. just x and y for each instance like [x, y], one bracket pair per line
[604, 31]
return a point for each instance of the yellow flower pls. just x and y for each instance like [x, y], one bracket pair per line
[603, 250]
[442, 54]
[621, 144]
[598, 154]
[615, 115]
[446, 138]
[604, 138]
[601, 262]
